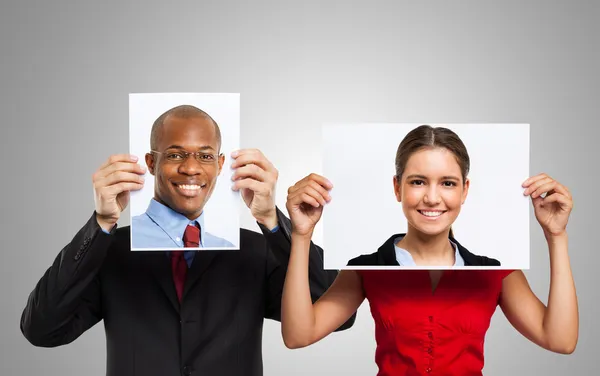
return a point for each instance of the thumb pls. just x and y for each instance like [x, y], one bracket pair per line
[537, 202]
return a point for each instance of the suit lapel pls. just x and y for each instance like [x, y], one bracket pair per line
[158, 264]
[201, 262]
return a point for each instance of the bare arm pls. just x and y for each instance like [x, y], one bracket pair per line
[278, 257]
[304, 323]
[556, 326]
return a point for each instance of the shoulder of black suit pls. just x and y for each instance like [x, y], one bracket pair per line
[386, 255]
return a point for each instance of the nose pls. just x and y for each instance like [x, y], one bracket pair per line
[190, 166]
[432, 196]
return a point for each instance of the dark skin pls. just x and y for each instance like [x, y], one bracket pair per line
[186, 185]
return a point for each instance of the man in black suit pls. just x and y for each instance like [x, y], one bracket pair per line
[207, 321]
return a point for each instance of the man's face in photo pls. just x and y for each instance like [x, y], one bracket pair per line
[185, 181]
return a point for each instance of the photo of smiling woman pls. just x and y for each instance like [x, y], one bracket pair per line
[467, 187]
[432, 184]
[187, 200]
[431, 321]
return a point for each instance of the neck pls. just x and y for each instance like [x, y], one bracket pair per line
[429, 250]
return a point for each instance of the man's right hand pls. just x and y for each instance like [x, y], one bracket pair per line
[113, 181]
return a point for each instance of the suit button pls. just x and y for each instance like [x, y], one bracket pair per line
[187, 371]
[428, 370]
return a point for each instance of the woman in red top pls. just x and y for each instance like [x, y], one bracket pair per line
[431, 322]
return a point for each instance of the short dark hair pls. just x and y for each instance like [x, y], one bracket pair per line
[184, 111]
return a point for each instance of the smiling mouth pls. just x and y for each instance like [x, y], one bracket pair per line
[189, 190]
[432, 213]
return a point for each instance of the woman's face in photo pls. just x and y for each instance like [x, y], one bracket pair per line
[431, 190]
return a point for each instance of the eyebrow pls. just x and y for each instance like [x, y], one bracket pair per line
[203, 147]
[447, 177]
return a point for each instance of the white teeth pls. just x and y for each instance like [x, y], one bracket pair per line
[189, 187]
[432, 213]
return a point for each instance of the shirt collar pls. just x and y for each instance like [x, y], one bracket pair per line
[404, 257]
[172, 222]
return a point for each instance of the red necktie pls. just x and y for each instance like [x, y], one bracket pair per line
[191, 238]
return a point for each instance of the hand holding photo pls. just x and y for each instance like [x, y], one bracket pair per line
[426, 196]
[185, 142]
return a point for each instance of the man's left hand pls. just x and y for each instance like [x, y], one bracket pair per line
[256, 179]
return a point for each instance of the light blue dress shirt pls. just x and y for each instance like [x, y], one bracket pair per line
[162, 227]
[404, 257]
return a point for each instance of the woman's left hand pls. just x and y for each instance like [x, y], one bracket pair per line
[552, 211]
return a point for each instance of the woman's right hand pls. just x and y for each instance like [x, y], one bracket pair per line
[305, 202]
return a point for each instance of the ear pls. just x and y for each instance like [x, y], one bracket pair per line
[221, 162]
[150, 162]
[466, 190]
[397, 189]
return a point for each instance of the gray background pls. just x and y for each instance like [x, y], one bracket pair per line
[67, 68]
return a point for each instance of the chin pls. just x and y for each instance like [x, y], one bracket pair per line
[191, 209]
[187, 207]
[430, 230]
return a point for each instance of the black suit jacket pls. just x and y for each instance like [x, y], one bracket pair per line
[217, 329]
[386, 255]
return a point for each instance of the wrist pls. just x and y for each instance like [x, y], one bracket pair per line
[555, 237]
[556, 240]
[105, 223]
[301, 238]
[269, 220]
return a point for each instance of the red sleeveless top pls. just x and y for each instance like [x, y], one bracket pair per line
[423, 333]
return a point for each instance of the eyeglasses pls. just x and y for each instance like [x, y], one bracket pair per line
[181, 156]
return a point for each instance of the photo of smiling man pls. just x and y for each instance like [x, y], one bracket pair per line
[187, 200]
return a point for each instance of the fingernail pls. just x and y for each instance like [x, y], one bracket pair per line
[133, 158]
[234, 154]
